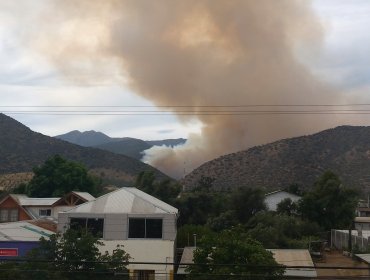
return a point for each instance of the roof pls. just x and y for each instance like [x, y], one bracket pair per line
[187, 257]
[295, 257]
[282, 191]
[364, 257]
[22, 231]
[84, 195]
[24, 200]
[125, 200]
[362, 219]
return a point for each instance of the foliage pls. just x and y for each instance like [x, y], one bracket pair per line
[197, 207]
[330, 204]
[281, 231]
[165, 190]
[58, 176]
[73, 255]
[287, 207]
[185, 234]
[232, 247]
[246, 203]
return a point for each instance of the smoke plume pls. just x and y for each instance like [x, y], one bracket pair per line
[198, 53]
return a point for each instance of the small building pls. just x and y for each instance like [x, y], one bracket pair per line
[272, 199]
[295, 258]
[143, 224]
[186, 258]
[18, 238]
[20, 207]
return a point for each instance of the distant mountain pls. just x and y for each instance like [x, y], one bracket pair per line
[86, 139]
[21, 149]
[131, 147]
[345, 150]
[127, 146]
[167, 142]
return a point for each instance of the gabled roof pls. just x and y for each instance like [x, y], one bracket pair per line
[84, 195]
[125, 200]
[282, 191]
[24, 200]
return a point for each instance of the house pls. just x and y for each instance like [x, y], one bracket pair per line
[144, 225]
[272, 199]
[20, 207]
[18, 238]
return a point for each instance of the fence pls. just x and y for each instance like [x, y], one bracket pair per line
[339, 240]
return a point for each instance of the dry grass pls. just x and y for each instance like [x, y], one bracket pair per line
[9, 181]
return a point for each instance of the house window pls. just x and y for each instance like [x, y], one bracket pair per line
[145, 228]
[45, 212]
[9, 215]
[94, 225]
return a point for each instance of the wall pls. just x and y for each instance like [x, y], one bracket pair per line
[116, 225]
[161, 251]
[22, 246]
[274, 199]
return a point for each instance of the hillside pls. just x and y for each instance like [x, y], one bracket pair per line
[21, 149]
[127, 146]
[345, 150]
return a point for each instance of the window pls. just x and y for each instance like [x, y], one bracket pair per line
[94, 225]
[9, 215]
[44, 212]
[145, 228]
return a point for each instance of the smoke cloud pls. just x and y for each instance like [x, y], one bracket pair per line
[198, 54]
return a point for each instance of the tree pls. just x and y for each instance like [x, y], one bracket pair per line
[242, 256]
[287, 206]
[330, 204]
[58, 176]
[73, 255]
[246, 203]
[166, 190]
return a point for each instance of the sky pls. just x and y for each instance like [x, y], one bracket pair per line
[27, 78]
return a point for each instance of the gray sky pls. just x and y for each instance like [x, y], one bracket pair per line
[28, 79]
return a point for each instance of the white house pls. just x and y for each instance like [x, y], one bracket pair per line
[272, 199]
[144, 225]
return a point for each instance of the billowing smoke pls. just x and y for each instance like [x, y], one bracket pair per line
[198, 53]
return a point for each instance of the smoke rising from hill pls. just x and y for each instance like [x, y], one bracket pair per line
[197, 53]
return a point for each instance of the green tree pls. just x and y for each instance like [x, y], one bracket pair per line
[58, 176]
[246, 258]
[330, 204]
[246, 203]
[73, 255]
[166, 190]
[281, 231]
[287, 206]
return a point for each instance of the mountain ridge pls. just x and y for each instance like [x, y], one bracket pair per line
[344, 150]
[21, 149]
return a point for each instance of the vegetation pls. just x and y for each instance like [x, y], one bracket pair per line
[330, 204]
[242, 256]
[72, 255]
[58, 176]
[166, 190]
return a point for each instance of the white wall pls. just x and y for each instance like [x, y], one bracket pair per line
[146, 251]
[272, 200]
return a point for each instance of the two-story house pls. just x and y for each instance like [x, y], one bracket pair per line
[144, 225]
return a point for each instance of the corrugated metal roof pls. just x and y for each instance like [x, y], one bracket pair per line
[295, 257]
[24, 200]
[85, 195]
[125, 200]
[22, 231]
[364, 257]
